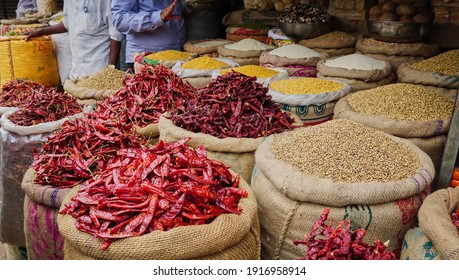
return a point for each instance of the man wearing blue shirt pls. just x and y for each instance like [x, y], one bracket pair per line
[149, 25]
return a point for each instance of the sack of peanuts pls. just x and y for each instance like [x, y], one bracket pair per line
[439, 71]
[437, 216]
[379, 184]
[312, 100]
[41, 206]
[99, 86]
[332, 44]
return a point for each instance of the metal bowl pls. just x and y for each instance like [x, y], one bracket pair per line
[398, 31]
[305, 30]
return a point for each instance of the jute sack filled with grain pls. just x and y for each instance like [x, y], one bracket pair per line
[312, 114]
[41, 207]
[228, 237]
[373, 46]
[435, 220]
[400, 109]
[355, 66]
[206, 46]
[331, 40]
[291, 54]
[242, 61]
[335, 52]
[396, 60]
[433, 147]
[101, 85]
[440, 71]
[245, 48]
[379, 183]
[357, 85]
[416, 246]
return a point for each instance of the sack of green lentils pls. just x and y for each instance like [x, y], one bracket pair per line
[228, 237]
[99, 86]
[358, 85]
[416, 246]
[376, 180]
[436, 222]
[41, 207]
[400, 109]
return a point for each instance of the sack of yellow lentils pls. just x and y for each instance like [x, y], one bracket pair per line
[32, 60]
[167, 58]
[375, 180]
[201, 67]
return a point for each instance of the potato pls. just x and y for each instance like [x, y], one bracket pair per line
[405, 19]
[388, 16]
[405, 10]
[279, 6]
[423, 17]
[376, 10]
[388, 6]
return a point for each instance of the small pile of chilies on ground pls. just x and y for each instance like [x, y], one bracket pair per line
[327, 243]
[233, 105]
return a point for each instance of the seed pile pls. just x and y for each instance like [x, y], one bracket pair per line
[345, 151]
[305, 86]
[252, 70]
[304, 12]
[204, 63]
[169, 55]
[446, 63]
[106, 79]
[402, 101]
[356, 61]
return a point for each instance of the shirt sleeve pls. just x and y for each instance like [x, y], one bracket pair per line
[65, 17]
[112, 31]
[126, 20]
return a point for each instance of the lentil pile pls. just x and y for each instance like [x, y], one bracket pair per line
[169, 55]
[252, 70]
[402, 101]
[305, 86]
[446, 63]
[204, 63]
[305, 12]
[345, 151]
[106, 79]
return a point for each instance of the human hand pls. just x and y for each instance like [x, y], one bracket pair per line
[31, 34]
[166, 13]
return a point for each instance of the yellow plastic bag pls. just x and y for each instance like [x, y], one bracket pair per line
[33, 60]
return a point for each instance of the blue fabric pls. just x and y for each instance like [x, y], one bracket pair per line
[141, 22]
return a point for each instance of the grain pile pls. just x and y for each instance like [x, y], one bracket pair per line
[106, 79]
[332, 44]
[207, 47]
[244, 52]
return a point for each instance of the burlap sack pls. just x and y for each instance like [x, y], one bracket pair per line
[335, 52]
[370, 45]
[290, 201]
[405, 129]
[236, 37]
[312, 114]
[357, 85]
[449, 93]
[278, 61]
[244, 16]
[71, 86]
[198, 81]
[149, 132]
[433, 147]
[396, 60]
[435, 221]
[223, 51]
[241, 30]
[206, 46]
[229, 237]
[332, 40]
[406, 74]
[416, 246]
[41, 206]
[363, 75]
[243, 61]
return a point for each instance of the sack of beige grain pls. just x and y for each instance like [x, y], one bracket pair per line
[394, 60]
[99, 86]
[242, 50]
[332, 44]
[435, 220]
[227, 237]
[203, 47]
[449, 93]
[358, 85]
[376, 180]
[373, 46]
[41, 207]
[440, 71]
[291, 54]
[335, 52]
[416, 246]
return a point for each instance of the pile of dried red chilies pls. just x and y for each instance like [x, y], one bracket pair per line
[145, 189]
[327, 243]
[80, 148]
[455, 218]
[234, 105]
[17, 92]
[146, 96]
[46, 105]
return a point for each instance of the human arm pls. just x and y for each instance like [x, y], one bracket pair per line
[114, 54]
[55, 29]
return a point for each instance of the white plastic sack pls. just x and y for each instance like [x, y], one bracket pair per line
[195, 73]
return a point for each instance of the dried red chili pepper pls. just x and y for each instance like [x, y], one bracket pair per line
[17, 92]
[233, 105]
[146, 192]
[341, 243]
[455, 218]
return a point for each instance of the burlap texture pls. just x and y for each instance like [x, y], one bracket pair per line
[243, 61]
[312, 114]
[150, 132]
[229, 236]
[290, 202]
[41, 205]
[236, 37]
[357, 85]
[406, 74]
[330, 41]
[416, 246]
[278, 61]
[433, 147]
[364, 75]
[396, 60]
[335, 52]
[198, 82]
[405, 129]
[369, 45]
[190, 46]
[223, 51]
[435, 220]
[71, 86]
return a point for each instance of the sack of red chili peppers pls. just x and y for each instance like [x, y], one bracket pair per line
[168, 201]
[41, 207]
[375, 180]
[436, 220]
